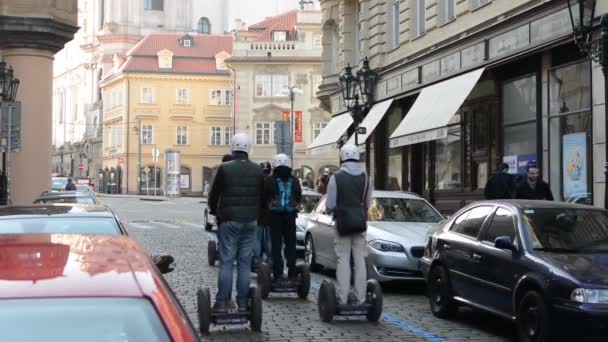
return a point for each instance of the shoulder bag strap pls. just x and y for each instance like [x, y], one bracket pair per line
[365, 190]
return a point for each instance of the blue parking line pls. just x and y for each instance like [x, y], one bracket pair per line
[388, 318]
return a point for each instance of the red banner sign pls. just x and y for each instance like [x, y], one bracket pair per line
[298, 126]
[285, 116]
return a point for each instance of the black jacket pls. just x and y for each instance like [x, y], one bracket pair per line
[500, 186]
[540, 192]
[70, 187]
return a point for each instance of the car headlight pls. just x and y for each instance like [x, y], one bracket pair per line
[386, 246]
[589, 296]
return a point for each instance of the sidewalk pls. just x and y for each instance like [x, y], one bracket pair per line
[141, 197]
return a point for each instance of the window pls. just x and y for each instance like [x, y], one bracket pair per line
[204, 26]
[317, 41]
[187, 43]
[448, 158]
[146, 134]
[447, 11]
[216, 136]
[395, 24]
[478, 3]
[182, 135]
[279, 36]
[228, 136]
[502, 225]
[228, 97]
[263, 133]
[153, 5]
[147, 95]
[270, 85]
[357, 36]
[182, 96]
[418, 27]
[474, 221]
[459, 222]
[317, 127]
[216, 97]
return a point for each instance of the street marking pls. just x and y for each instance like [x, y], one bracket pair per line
[139, 225]
[166, 224]
[393, 320]
[192, 224]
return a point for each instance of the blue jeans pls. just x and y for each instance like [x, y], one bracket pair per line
[263, 244]
[237, 241]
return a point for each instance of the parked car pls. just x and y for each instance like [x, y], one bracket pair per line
[77, 197]
[58, 183]
[60, 219]
[85, 288]
[397, 230]
[310, 198]
[541, 264]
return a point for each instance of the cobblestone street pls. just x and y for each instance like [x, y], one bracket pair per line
[175, 227]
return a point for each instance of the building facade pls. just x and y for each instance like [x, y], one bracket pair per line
[172, 94]
[279, 52]
[462, 86]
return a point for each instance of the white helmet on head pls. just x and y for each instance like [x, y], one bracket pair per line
[240, 142]
[281, 160]
[349, 152]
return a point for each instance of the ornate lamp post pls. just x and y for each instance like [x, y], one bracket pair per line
[9, 85]
[356, 88]
[582, 17]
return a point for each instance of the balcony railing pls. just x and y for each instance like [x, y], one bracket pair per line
[276, 49]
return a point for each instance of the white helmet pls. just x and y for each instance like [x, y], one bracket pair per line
[240, 142]
[349, 152]
[281, 160]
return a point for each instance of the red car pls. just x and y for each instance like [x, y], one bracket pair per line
[66, 287]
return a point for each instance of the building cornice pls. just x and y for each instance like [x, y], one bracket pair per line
[34, 33]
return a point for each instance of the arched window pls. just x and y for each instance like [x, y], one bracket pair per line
[204, 26]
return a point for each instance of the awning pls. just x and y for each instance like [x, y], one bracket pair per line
[372, 119]
[429, 116]
[327, 140]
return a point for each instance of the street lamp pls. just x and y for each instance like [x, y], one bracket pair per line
[582, 16]
[9, 85]
[355, 88]
[292, 91]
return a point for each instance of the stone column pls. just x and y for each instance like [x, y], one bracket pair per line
[28, 45]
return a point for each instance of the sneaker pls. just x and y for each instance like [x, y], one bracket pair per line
[219, 308]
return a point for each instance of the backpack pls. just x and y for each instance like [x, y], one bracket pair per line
[283, 202]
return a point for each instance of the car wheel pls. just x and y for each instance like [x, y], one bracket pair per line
[309, 254]
[533, 318]
[440, 293]
[208, 226]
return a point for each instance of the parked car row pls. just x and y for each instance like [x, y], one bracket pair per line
[542, 265]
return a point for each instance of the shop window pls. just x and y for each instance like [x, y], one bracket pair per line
[395, 155]
[448, 158]
[570, 132]
[150, 179]
[184, 178]
[520, 123]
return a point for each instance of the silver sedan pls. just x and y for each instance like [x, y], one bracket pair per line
[398, 226]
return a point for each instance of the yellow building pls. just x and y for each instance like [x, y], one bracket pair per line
[174, 93]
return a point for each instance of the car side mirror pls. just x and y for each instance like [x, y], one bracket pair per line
[163, 262]
[504, 242]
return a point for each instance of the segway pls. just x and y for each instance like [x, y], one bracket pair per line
[300, 285]
[213, 253]
[329, 307]
[232, 316]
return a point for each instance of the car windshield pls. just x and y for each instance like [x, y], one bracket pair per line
[309, 202]
[402, 210]
[559, 230]
[58, 183]
[81, 319]
[71, 200]
[82, 188]
[60, 225]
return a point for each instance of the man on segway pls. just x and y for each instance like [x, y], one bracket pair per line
[348, 197]
[282, 195]
[235, 200]
[262, 250]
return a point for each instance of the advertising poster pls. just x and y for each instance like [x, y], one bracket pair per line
[185, 181]
[512, 162]
[173, 159]
[574, 163]
[298, 128]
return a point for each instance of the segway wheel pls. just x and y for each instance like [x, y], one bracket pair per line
[304, 281]
[212, 252]
[255, 306]
[374, 297]
[264, 279]
[327, 301]
[203, 299]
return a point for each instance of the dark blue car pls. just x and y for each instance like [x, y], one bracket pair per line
[541, 264]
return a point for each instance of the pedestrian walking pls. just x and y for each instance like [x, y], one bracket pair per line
[322, 184]
[70, 186]
[501, 185]
[263, 247]
[235, 200]
[282, 195]
[348, 198]
[532, 187]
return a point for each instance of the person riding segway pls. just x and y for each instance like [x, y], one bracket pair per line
[348, 198]
[235, 199]
[212, 246]
[262, 250]
[282, 196]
